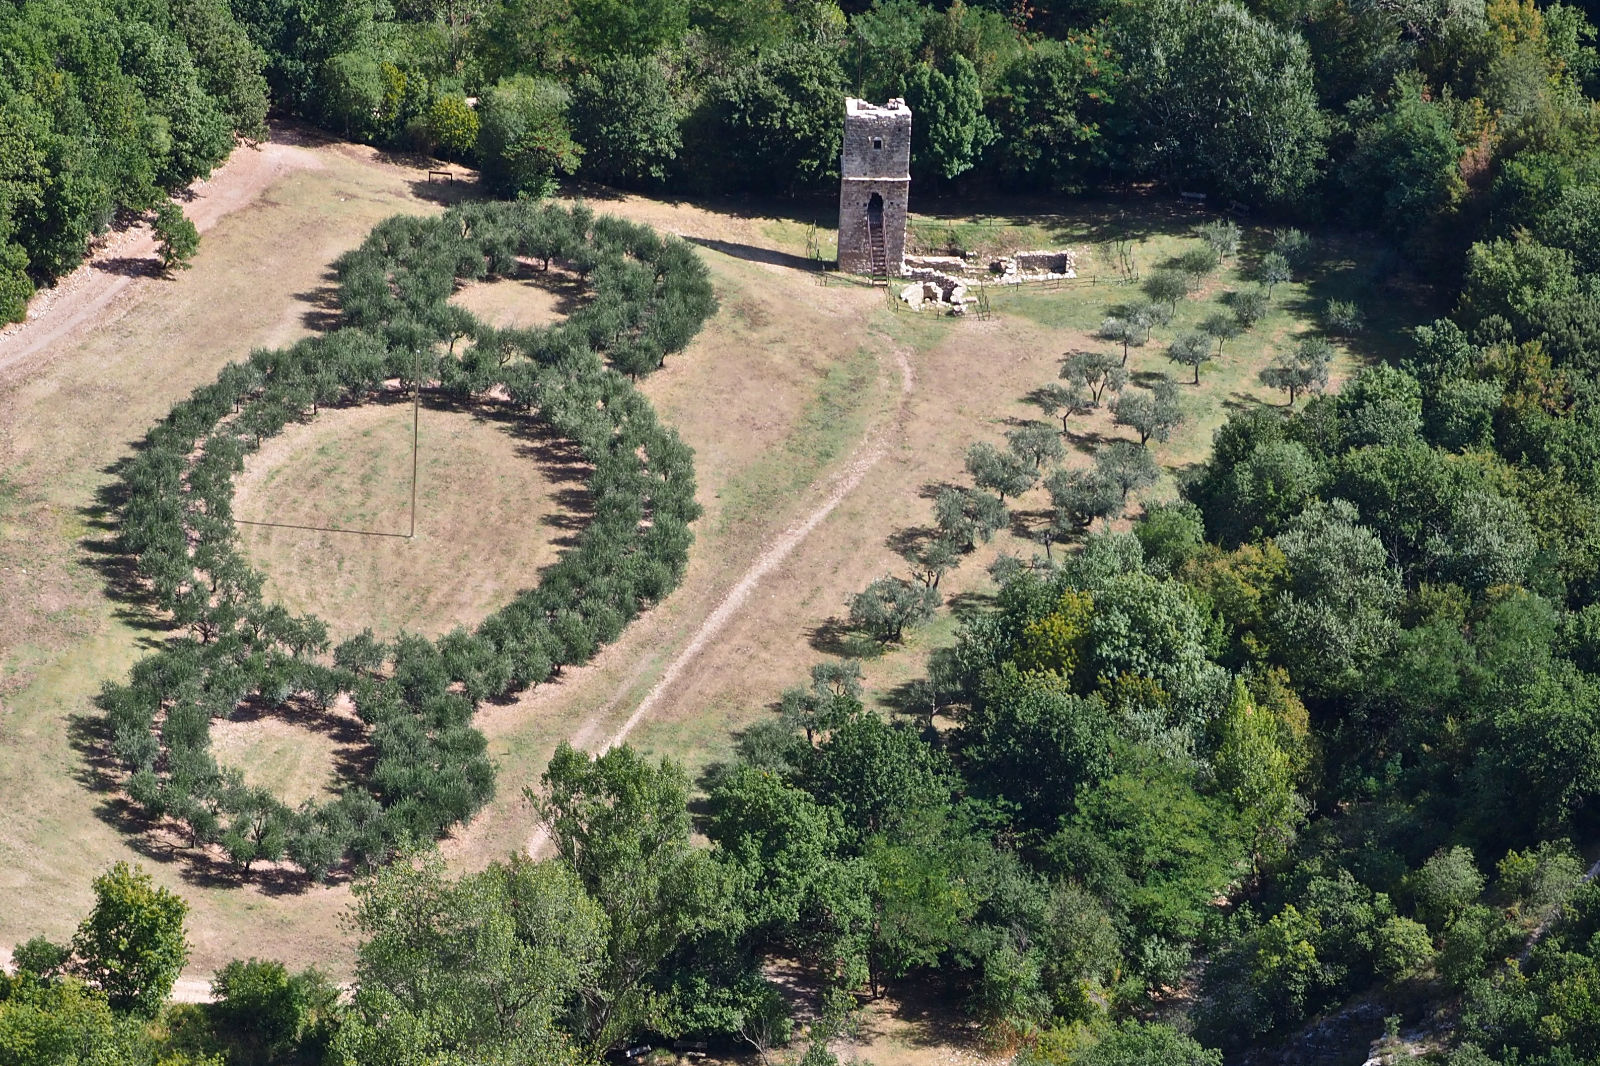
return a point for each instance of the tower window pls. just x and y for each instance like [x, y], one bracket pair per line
[877, 142]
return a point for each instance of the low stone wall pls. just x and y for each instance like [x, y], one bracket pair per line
[1045, 263]
[935, 289]
[948, 264]
[940, 281]
[1034, 266]
[1006, 270]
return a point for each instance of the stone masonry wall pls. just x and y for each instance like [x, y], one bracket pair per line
[854, 196]
[876, 159]
[877, 140]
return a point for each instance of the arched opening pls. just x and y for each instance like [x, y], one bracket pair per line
[875, 210]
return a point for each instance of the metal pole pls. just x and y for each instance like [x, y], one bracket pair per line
[416, 417]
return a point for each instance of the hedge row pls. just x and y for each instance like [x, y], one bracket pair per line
[428, 768]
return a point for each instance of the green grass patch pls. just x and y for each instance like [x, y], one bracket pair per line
[832, 418]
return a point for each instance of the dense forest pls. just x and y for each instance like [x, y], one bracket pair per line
[1440, 122]
[1325, 730]
[104, 109]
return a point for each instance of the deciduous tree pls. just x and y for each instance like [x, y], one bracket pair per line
[132, 946]
[176, 236]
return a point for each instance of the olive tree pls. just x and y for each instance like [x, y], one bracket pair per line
[1035, 443]
[1126, 465]
[1094, 371]
[1167, 287]
[1005, 473]
[1124, 332]
[885, 608]
[1274, 271]
[1065, 400]
[1221, 328]
[1153, 412]
[1305, 369]
[1191, 349]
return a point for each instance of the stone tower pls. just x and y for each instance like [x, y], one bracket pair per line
[875, 183]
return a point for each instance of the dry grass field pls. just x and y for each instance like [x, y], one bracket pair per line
[351, 470]
[294, 750]
[821, 421]
[531, 298]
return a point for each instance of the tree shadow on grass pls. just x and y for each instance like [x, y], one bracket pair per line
[1129, 215]
[1025, 525]
[1239, 400]
[459, 190]
[935, 1018]
[835, 636]
[751, 253]
[909, 542]
[966, 606]
[904, 698]
[101, 551]
[130, 266]
[821, 210]
[324, 311]
[1088, 441]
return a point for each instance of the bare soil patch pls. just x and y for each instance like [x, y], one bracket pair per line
[497, 500]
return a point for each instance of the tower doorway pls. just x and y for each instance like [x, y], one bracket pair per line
[877, 258]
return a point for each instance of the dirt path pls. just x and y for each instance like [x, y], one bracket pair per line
[127, 259]
[866, 456]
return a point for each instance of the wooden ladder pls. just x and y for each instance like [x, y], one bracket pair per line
[877, 259]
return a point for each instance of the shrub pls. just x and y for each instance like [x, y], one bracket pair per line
[1342, 318]
[1403, 949]
[176, 237]
[452, 126]
[523, 140]
[264, 1012]
[1445, 885]
[16, 288]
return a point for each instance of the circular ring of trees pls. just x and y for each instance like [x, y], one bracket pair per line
[427, 768]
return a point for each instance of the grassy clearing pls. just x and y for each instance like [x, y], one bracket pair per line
[529, 299]
[833, 417]
[783, 389]
[296, 762]
[351, 469]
